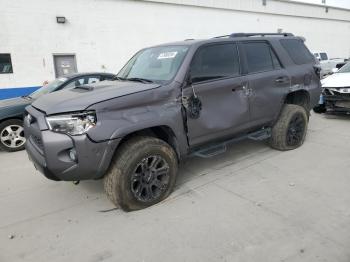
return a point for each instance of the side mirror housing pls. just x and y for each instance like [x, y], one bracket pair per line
[189, 80]
[334, 70]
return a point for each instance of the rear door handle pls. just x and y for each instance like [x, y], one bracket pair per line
[282, 79]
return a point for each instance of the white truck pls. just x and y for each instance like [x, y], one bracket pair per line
[328, 66]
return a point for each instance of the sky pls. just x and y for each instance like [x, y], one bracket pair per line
[337, 3]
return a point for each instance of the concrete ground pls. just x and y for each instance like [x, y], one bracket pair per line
[249, 204]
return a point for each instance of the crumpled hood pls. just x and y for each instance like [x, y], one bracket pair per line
[14, 102]
[337, 80]
[78, 99]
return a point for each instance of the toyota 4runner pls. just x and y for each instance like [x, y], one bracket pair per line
[171, 101]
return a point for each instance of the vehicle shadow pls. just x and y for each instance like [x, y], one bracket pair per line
[194, 167]
[337, 116]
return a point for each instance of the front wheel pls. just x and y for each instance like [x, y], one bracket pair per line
[142, 174]
[11, 135]
[290, 130]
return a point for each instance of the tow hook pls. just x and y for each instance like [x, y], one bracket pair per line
[76, 182]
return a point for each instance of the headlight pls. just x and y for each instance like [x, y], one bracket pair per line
[344, 90]
[73, 124]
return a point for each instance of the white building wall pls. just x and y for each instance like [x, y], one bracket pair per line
[104, 34]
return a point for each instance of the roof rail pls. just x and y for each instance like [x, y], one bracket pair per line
[259, 34]
[220, 36]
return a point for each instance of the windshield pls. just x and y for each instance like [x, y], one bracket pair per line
[345, 68]
[155, 64]
[48, 88]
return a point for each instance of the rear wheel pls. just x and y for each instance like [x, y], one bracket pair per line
[142, 174]
[12, 135]
[290, 130]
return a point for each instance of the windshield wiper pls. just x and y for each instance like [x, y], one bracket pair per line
[119, 78]
[138, 79]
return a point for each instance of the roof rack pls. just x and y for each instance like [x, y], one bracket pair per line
[260, 34]
[255, 34]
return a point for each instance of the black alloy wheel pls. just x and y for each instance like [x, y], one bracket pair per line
[150, 178]
[296, 130]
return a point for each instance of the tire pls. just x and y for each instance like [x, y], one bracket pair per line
[319, 109]
[290, 130]
[142, 173]
[11, 135]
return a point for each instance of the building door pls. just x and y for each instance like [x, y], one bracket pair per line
[64, 64]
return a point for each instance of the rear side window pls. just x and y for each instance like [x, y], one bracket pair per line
[214, 62]
[260, 57]
[297, 51]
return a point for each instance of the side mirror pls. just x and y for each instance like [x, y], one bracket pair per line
[334, 70]
[189, 80]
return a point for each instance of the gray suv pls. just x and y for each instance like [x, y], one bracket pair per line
[171, 101]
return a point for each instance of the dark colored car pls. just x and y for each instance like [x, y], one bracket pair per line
[172, 101]
[12, 110]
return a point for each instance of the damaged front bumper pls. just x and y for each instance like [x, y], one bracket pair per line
[336, 100]
[63, 157]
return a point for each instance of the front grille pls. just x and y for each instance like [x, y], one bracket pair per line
[33, 124]
[334, 92]
[37, 142]
[341, 94]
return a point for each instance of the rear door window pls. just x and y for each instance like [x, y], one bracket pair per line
[93, 79]
[76, 82]
[260, 57]
[215, 62]
[297, 51]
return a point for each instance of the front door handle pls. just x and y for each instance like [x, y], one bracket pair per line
[238, 88]
[246, 90]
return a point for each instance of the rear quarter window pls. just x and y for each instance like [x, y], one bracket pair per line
[297, 51]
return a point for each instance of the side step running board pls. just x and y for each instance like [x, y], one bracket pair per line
[217, 149]
[260, 135]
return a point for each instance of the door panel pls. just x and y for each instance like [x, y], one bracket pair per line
[225, 110]
[64, 64]
[267, 92]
